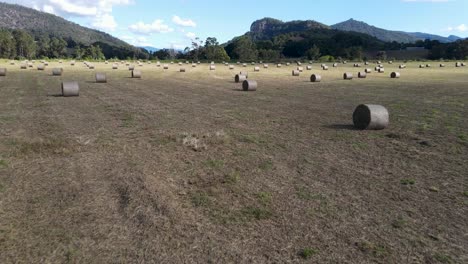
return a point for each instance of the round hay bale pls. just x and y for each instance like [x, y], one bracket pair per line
[362, 75]
[325, 68]
[91, 67]
[265, 66]
[380, 65]
[249, 85]
[244, 65]
[23, 66]
[463, 64]
[370, 117]
[421, 66]
[345, 62]
[334, 65]
[315, 78]
[278, 65]
[180, 63]
[368, 70]
[57, 71]
[187, 62]
[172, 62]
[30, 64]
[212, 63]
[347, 76]
[40, 67]
[231, 67]
[298, 63]
[376, 68]
[287, 64]
[131, 68]
[457, 64]
[442, 65]
[182, 70]
[46, 63]
[366, 63]
[72, 63]
[60, 61]
[101, 77]
[395, 75]
[136, 74]
[253, 63]
[70, 89]
[246, 74]
[115, 66]
[194, 65]
[309, 67]
[3, 71]
[212, 67]
[390, 62]
[379, 62]
[106, 62]
[158, 64]
[300, 69]
[240, 78]
[381, 70]
[402, 66]
[295, 73]
[257, 69]
[165, 67]
[12, 63]
[428, 65]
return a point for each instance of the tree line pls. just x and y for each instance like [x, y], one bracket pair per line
[324, 45]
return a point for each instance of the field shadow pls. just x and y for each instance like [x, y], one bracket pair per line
[55, 95]
[341, 127]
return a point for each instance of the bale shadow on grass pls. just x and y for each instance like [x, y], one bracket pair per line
[55, 95]
[341, 127]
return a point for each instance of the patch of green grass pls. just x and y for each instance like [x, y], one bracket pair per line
[304, 194]
[307, 253]
[267, 165]
[44, 146]
[399, 223]
[200, 199]
[463, 137]
[257, 213]
[2, 188]
[360, 145]
[214, 163]
[408, 182]
[264, 197]
[378, 251]
[442, 258]
[465, 193]
[233, 178]
[128, 120]
[3, 164]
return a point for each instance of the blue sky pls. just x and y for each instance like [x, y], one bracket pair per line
[166, 24]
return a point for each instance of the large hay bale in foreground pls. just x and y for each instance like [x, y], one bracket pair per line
[136, 74]
[315, 78]
[101, 77]
[249, 85]
[70, 89]
[395, 75]
[362, 75]
[370, 117]
[295, 73]
[347, 76]
[3, 71]
[240, 78]
[57, 71]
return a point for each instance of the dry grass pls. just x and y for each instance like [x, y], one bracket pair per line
[189, 169]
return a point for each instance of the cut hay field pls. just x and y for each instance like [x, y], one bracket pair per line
[187, 168]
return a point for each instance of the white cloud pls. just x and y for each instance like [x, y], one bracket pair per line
[157, 26]
[99, 12]
[460, 28]
[105, 22]
[136, 41]
[183, 22]
[191, 35]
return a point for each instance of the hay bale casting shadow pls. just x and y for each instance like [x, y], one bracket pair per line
[70, 89]
[249, 85]
[370, 117]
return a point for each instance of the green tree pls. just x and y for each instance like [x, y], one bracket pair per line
[313, 53]
[7, 45]
[25, 46]
[244, 49]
